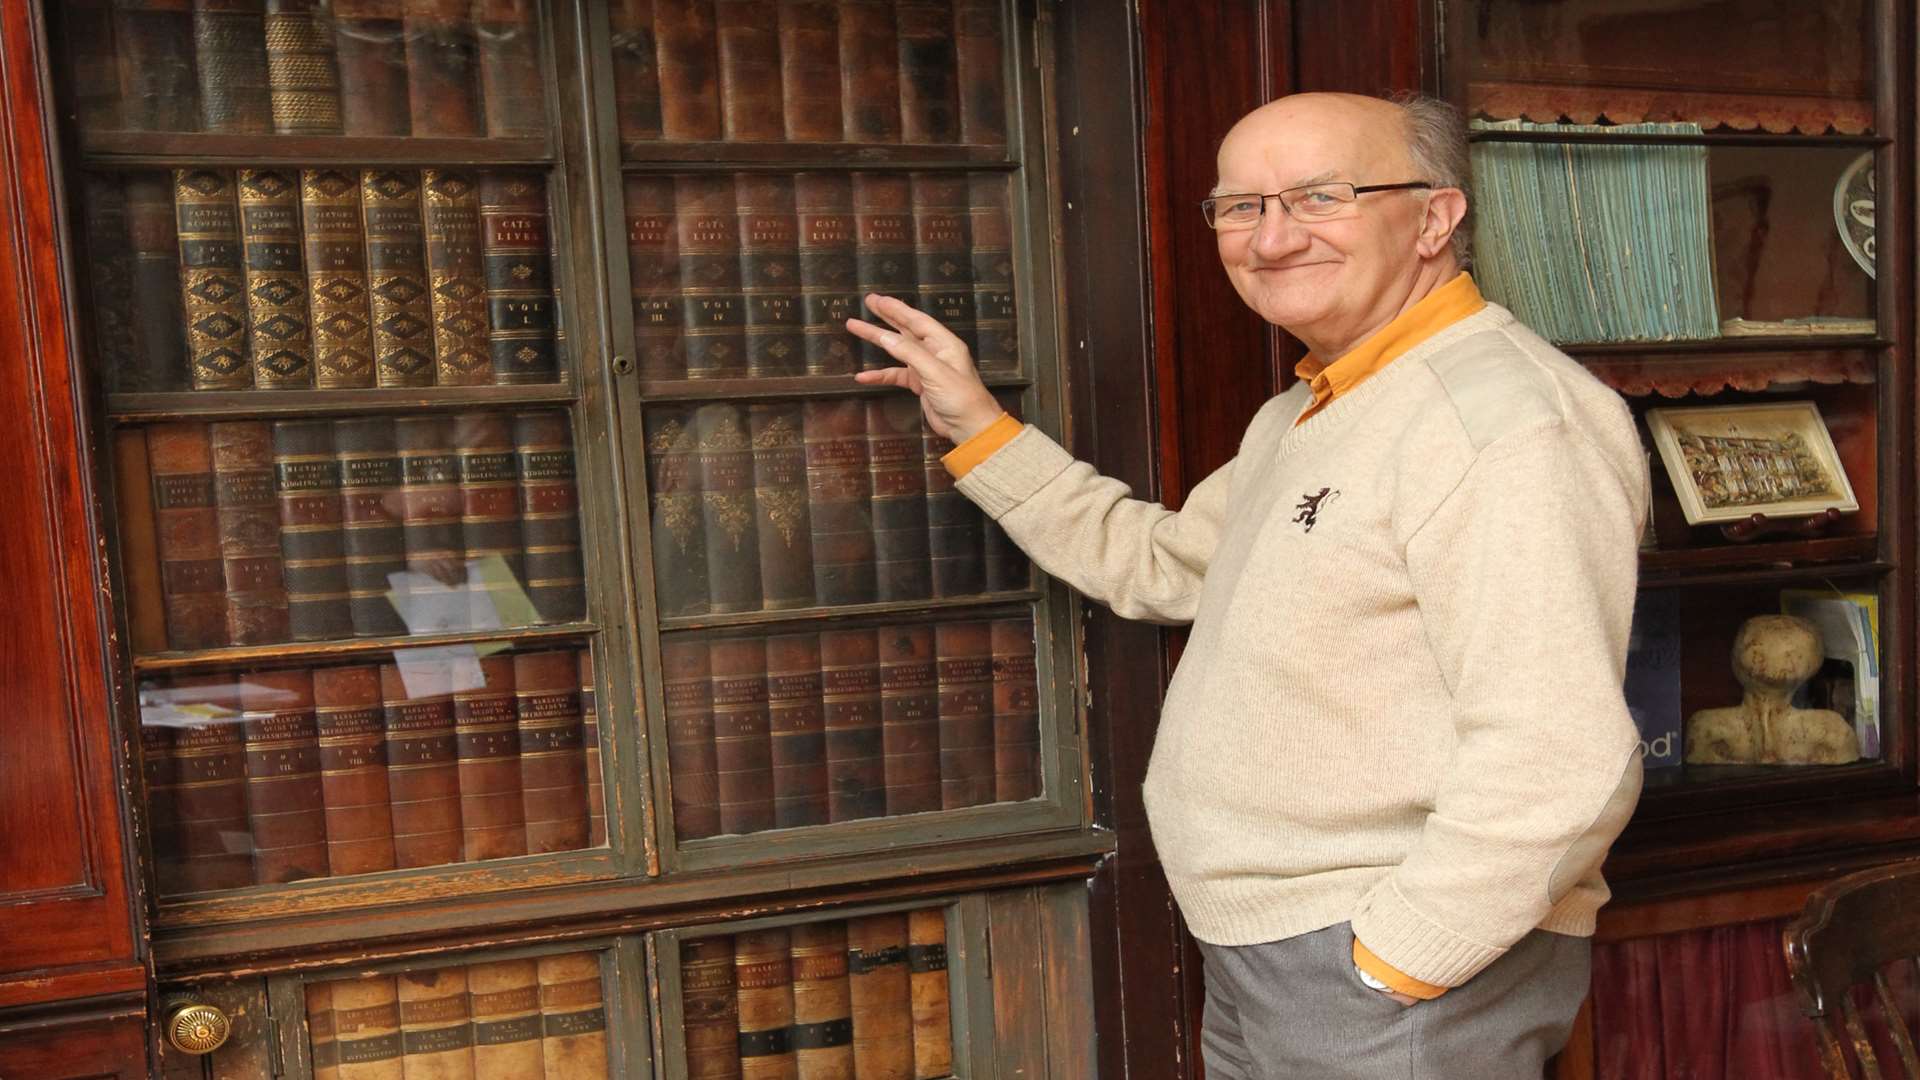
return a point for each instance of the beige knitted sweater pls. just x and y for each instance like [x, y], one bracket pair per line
[1401, 701]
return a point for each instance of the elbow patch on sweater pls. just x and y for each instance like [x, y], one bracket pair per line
[1584, 855]
[1497, 389]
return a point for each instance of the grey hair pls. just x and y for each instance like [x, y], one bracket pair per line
[1437, 149]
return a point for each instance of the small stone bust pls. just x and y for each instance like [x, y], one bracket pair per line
[1772, 656]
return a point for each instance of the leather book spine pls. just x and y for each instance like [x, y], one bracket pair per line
[956, 538]
[883, 246]
[370, 46]
[155, 42]
[810, 70]
[430, 524]
[636, 69]
[942, 224]
[679, 535]
[505, 999]
[929, 96]
[780, 505]
[685, 32]
[748, 33]
[351, 728]
[276, 283]
[996, 325]
[963, 655]
[1016, 712]
[210, 800]
[980, 70]
[160, 784]
[573, 1016]
[138, 530]
[312, 538]
[822, 1035]
[366, 1026]
[688, 676]
[456, 279]
[727, 507]
[490, 526]
[436, 1025]
[192, 575]
[285, 807]
[823, 203]
[797, 723]
[882, 997]
[709, 1011]
[910, 719]
[336, 259]
[212, 283]
[850, 708]
[230, 56]
[397, 278]
[515, 249]
[301, 73]
[553, 760]
[508, 32]
[157, 311]
[710, 290]
[93, 69]
[932, 999]
[322, 1050]
[555, 576]
[119, 353]
[249, 517]
[441, 65]
[371, 513]
[590, 732]
[869, 72]
[901, 568]
[763, 983]
[653, 270]
[493, 821]
[770, 274]
[423, 768]
[742, 746]
[839, 498]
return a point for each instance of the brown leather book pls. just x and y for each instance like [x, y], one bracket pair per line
[687, 672]
[350, 723]
[212, 283]
[441, 68]
[370, 46]
[590, 729]
[187, 522]
[312, 540]
[285, 807]
[516, 248]
[493, 821]
[822, 1034]
[653, 272]
[727, 507]
[109, 260]
[763, 983]
[91, 66]
[927, 979]
[573, 1016]
[138, 532]
[996, 325]
[810, 70]
[869, 71]
[636, 71]
[981, 71]
[910, 719]
[160, 783]
[157, 314]
[963, 655]
[456, 278]
[550, 516]
[839, 495]
[781, 514]
[770, 273]
[679, 532]
[828, 270]
[941, 251]
[230, 55]
[553, 761]
[742, 745]
[956, 540]
[684, 32]
[423, 768]
[213, 845]
[882, 998]
[436, 1025]
[155, 42]
[249, 522]
[1016, 712]
[508, 33]
[797, 721]
[490, 528]
[748, 33]
[709, 1011]
[901, 569]
[276, 285]
[366, 1024]
[505, 998]
[302, 77]
[397, 278]
[322, 1051]
[371, 514]
[714, 309]
[929, 96]
[850, 703]
[883, 246]
[336, 258]
[435, 595]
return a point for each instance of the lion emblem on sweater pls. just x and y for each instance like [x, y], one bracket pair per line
[1310, 506]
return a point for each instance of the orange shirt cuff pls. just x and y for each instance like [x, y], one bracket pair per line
[961, 459]
[1364, 959]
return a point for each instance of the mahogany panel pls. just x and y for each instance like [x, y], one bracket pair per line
[96, 1039]
[1373, 47]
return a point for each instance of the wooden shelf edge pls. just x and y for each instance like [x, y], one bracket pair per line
[649, 155]
[898, 609]
[168, 405]
[1802, 343]
[321, 650]
[1741, 845]
[125, 149]
[58, 989]
[662, 391]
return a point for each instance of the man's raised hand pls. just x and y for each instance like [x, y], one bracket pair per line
[956, 403]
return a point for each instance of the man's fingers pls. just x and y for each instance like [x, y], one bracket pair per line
[902, 347]
[898, 377]
[911, 320]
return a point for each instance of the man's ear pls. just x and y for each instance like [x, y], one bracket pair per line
[1445, 208]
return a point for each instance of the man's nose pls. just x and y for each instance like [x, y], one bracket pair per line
[1278, 234]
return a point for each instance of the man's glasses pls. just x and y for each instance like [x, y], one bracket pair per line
[1313, 202]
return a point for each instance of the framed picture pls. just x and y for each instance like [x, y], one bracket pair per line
[1729, 462]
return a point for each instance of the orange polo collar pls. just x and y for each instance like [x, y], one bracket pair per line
[1436, 311]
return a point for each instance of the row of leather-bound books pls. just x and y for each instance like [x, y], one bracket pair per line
[420, 758]
[534, 1018]
[756, 273]
[322, 278]
[827, 501]
[786, 730]
[865, 998]
[257, 532]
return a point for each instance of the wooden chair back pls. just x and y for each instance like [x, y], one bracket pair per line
[1849, 934]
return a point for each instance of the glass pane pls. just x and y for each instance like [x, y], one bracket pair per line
[1793, 239]
[421, 757]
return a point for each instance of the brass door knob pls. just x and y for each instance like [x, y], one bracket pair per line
[194, 1028]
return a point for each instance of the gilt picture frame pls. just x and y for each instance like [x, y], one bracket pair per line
[1729, 462]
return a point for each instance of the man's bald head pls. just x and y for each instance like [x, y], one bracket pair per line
[1375, 125]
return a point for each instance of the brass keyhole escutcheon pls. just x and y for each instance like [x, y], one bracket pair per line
[193, 1028]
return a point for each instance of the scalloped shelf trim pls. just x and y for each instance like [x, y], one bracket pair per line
[1676, 376]
[1778, 114]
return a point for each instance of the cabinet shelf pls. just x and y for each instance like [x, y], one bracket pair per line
[980, 603]
[130, 149]
[693, 157]
[789, 386]
[263, 404]
[1730, 345]
[174, 660]
[1705, 138]
[1837, 556]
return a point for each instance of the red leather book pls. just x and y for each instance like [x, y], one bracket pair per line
[573, 1016]
[770, 274]
[493, 821]
[312, 540]
[709, 1011]
[963, 655]
[155, 42]
[941, 251]
[285, 807]
[212, 282]
[763, 980]
[828, 272]
[423, 768]
[350, 723]
[508, 33]
[822, 1035]
[366, 1022]
[850, 702]
[336, 258]
[882, 997]
[679, 533]
[782, 519]
[883, 246]
[797, 721]
[397, 278]
[932, 1000]
[436, 1023]
[187, 524]
[160, 783]
[742, 746]
[505, 998]
[929, 97]
[727, 505]
[839, 496]
[517, 250]
[653, 274]
[901, 568]
[550, 516]
[322, 1049]
[370, 46]
[230, 55]
[749, 50]
[302, 77]
[810, 70]
[456, 278]
[981, 71]
[430, 524]
[590, 732]
[139, 542]
[687, 672]
[996, 326]
[709, 242]
[157, 314]
[910, 719]
[869, 71]
[371, 515]
[636, 71]
[684, 31]
[276, 286]
[249, 521]
[215, 849]
[553, 761]
[441, 67]
[956, 540]
[491, 533]
[1016, 712]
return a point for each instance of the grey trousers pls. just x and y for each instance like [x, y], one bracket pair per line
[1296, 1009]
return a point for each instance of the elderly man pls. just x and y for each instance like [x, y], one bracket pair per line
[1395, 750]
